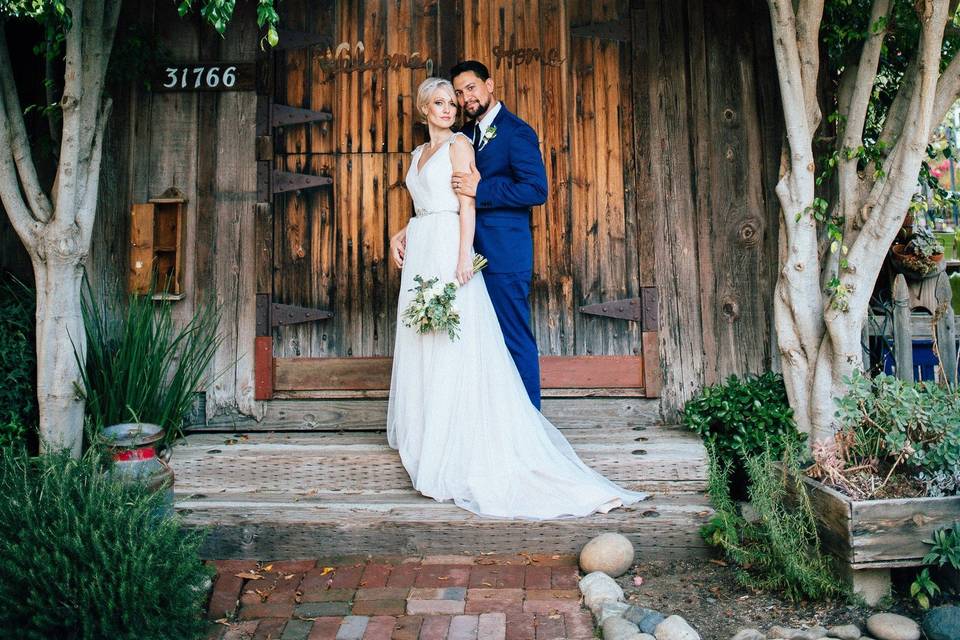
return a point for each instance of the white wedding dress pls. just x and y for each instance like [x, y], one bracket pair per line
[458, 413]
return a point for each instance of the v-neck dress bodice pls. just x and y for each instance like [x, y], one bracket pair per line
[429, 186]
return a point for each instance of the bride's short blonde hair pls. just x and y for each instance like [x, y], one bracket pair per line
[426, 90]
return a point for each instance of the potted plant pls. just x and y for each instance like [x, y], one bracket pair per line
[889, 479]
[139, 380]
[919, 255]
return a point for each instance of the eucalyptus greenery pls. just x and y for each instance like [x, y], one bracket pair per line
[911, 425]
[141, 367]
[84, 556]
[744, 416]
[779, 550]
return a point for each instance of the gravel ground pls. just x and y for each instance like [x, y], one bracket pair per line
[707, 595]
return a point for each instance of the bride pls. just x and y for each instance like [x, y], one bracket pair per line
[459, 413]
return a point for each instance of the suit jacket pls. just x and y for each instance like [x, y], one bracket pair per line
[512, 179]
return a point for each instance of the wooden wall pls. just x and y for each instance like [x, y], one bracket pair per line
[714, 144]
[203, 145]
[689, 203]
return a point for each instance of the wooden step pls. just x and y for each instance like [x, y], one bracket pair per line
[293, 526]
[655, 460]
[300, 494]
[371, 415]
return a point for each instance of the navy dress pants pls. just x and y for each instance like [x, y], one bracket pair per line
[510, 294]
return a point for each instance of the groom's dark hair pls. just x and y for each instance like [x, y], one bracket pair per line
[478, 68]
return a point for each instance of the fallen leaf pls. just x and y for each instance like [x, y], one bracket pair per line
[268, 568]
[287, 577]
[326, 570]
[718, 562]
[246, 575]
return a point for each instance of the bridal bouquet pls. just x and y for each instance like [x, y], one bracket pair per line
[432, 306]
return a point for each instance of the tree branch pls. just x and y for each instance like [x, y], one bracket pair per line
[808, 17]
[892, 195]
[26, 226]
[799, 281]
[65, 199]
[856, 110]
[88, 206]
[19, 142]
[948, 89]
[897, 113]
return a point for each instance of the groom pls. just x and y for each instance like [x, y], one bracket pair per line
[507, 180]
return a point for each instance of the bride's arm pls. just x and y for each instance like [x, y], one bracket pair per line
[461, 155]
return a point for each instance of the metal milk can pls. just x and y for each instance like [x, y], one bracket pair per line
[133, 448]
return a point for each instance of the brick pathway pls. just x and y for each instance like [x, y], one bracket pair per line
[526, 597]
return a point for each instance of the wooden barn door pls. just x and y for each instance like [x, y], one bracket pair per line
[339, 125]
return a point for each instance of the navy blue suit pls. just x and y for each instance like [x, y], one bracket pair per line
[512, 179]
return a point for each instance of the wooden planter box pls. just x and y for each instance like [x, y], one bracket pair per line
[870, 537]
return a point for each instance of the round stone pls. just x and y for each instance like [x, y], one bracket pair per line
[890, 626]
[616, 628]
[610, 553]
[942, 623]
[845, 632]
[675, 628]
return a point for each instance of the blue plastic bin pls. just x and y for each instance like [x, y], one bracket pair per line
[924, 359]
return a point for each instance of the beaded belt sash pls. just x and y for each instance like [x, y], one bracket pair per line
[429, 212]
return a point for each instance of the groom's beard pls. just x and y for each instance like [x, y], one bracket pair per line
[478, 110]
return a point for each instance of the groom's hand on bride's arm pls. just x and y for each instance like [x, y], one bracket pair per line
[465, 183]
[398, 246]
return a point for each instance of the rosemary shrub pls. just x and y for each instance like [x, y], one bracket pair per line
[779, 551]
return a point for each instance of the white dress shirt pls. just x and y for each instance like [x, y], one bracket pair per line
[487, 120]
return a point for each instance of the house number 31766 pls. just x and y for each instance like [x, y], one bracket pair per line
[208, 78]
[200, 76]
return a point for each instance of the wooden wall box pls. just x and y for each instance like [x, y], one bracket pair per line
[156, 246]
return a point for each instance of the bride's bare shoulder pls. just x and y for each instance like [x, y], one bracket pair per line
[461, 149]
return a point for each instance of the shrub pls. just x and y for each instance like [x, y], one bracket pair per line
[743, 418]
[779, 550]
[888, 423]
[83, 556]
[18, 395]
[141, 368]
[944, 552]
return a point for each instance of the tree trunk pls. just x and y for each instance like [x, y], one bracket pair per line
[60, 337]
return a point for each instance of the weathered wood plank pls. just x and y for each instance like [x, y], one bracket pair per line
[375, 467]
[946, 330]
[172, 160]
[235, 200]
[662, 528]
[894, 530]
[678, 279]
[371, 414]
[903, 341]
[372, 372]
[832, 512]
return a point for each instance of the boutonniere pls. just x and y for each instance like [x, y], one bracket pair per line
[488, 135]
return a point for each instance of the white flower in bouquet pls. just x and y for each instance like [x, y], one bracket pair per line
[432, 307]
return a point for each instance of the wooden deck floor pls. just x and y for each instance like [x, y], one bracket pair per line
[294, 494]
